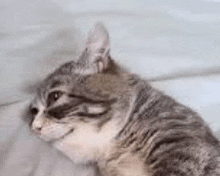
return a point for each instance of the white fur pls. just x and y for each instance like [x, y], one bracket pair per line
[86, 143]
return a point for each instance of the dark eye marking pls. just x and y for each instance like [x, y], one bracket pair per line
[53, 97]
[34, 110]
[85, 99]
[79, 97]
[61, 111]
[55, 84]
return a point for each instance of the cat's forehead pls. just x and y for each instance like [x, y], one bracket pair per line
[65, 74]
[60, 80]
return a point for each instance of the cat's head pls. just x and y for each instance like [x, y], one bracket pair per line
[84, 103]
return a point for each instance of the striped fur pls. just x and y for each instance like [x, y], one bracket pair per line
[96, 112]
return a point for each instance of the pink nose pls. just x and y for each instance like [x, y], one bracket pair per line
[36, 130]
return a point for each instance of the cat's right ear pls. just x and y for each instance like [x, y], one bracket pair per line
[97, 48]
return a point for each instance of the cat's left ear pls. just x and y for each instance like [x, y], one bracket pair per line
[97, 47]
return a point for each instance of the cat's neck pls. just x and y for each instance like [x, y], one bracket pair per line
[126, 164]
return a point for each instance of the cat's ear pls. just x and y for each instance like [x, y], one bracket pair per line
[97, 47]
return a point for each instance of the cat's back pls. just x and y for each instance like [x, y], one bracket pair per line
[169, 138]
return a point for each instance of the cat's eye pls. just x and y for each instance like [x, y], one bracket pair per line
[53, 97]
[34, 110]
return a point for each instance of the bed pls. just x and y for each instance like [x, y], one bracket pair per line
[173, 44]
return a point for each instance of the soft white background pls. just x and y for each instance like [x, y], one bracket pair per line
[174, 44]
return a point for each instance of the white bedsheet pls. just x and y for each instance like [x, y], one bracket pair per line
[174, 44]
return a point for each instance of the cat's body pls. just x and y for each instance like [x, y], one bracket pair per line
[95, 112]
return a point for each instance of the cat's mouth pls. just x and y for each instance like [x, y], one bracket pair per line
[68, 133]
[55, 139]
[62, 137]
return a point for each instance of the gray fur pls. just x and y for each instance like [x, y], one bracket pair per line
[155, 135]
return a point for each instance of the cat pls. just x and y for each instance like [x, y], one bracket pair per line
[95, 111]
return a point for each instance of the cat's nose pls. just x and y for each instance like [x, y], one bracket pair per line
[37, 124]
[37, 130]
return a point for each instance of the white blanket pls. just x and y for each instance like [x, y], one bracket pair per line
[174, 44]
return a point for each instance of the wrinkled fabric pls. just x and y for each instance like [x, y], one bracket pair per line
[173, 44]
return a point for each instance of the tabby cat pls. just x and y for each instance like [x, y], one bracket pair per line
[97, 112]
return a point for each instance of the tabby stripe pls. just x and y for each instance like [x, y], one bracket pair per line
[129, 140]
[126, 129]
[171, 171]
[150, 109]
[142, 104]
[88, 100]
[140, 100]
[167, 140]
[144, 138]
[146, 106]
[168, 118]
[169, 149]
[175, 160]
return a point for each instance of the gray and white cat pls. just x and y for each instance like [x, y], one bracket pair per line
[97, 112]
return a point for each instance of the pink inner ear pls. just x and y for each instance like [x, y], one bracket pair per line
[97, 46]
[100, 66]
